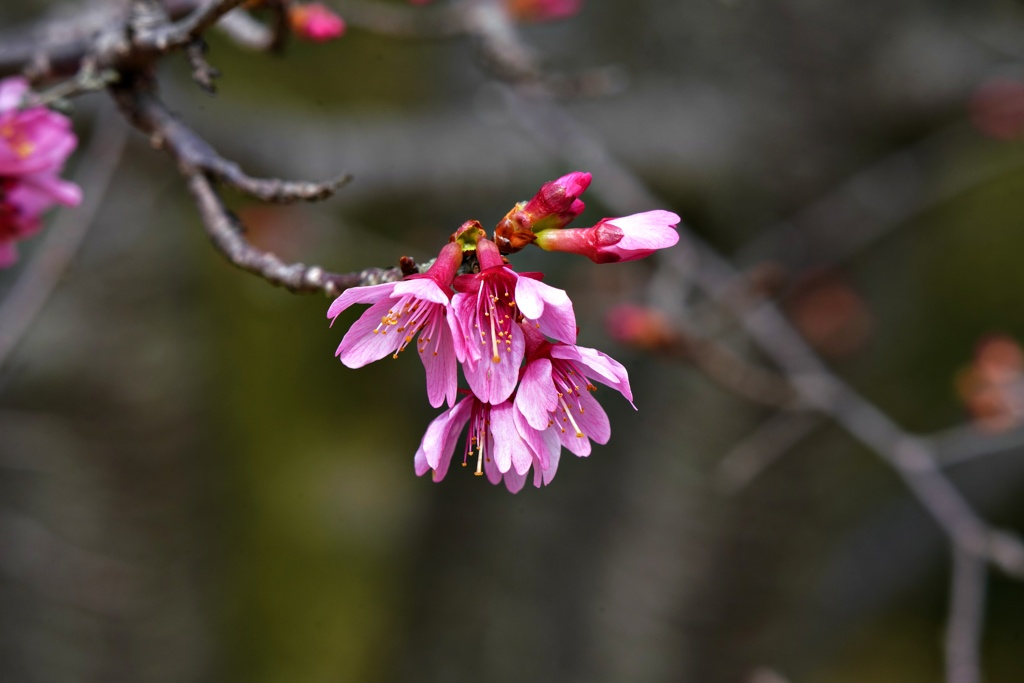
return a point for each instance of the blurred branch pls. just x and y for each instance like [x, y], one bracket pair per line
[964, 443]
[40, 276]
[966, 618]
[873, 202]
[772, 439]
[64, 571]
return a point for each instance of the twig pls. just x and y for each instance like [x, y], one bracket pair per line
[964, 443]
[297, 277]
[198, 163]
[772, 439]
[966, 618]
[240, 27]
[38, 278]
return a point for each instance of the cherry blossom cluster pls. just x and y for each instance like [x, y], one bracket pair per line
[529, 384]
[34, 144]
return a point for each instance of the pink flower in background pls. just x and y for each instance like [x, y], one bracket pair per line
[503, 452]
[642, 327]
[616, 239]
[488, 309]
[34, 144]
[399, 311]
[316, 22]
[555, 391]
[543, 10]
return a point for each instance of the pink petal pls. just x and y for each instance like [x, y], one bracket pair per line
[359, 295]
[579, 445]
[467, 341]
[547, 306]
[439, 362]
[494, 475]
[12, 90]
[542, 443]
[537, 395]
[593, 420]
[442, 433]
[647, 231]
[54, 189]
[421, 288]
[555, 455]
[507, 442]
[494, 382]
[363, 344]
[515, 481]
[606, 369]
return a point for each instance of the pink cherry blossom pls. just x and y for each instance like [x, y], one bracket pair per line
[316, 22]
[616, 239]
[554, 393]
[504, 450]
[489, 308]
[34, 144]
[399, 311]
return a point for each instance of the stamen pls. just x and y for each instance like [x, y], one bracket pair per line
[568, 413]
[494, 343]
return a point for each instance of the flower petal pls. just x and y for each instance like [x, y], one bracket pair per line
[537, 395]
[359, 295]
[493, 382]
[363, 343]
[515, 481]
[442, 433]
[605, 369]
[592, 419]
[421, 288]
[438, 358]
[550, 308]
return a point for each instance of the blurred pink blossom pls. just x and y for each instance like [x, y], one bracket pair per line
[34, 144]
[315, 21]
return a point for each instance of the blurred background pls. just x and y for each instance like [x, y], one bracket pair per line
[192, 488]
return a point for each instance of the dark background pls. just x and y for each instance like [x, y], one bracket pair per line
[193, 489]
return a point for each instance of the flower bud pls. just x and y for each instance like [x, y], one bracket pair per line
[616, 239]
[554, 206]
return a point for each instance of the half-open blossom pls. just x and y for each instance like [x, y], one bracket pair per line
[314, 21]
[555, 205]
[543, 10]
[503, 450]
[489, 309]
[616, 239]
[555, 391]
[399, 311]
[34, 144]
